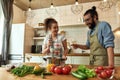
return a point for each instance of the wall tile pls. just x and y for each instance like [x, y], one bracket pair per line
[66, 17]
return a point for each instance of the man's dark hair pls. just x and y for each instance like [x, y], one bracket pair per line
[92, 12]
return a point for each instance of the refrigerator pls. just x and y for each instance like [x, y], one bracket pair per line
[16, 52]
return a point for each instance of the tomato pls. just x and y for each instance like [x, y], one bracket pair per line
[52, 69]
[58, 70]
[66, 70]
[69, 67]
[97, 71]
[99, 75]
[100, 68]
[109, 73]
[104, 74]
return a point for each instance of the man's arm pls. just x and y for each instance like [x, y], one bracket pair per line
[110, 53]
[108, 37]
[84, 47]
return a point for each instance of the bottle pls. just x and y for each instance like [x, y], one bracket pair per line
[51, 47]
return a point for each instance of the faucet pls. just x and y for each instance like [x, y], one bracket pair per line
[83, 51]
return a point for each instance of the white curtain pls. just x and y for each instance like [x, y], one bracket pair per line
[1, 27]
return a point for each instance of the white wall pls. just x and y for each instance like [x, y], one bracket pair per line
[64, 16]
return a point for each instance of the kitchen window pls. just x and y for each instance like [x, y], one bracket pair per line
[1, 27]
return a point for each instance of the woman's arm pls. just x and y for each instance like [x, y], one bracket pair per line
[46, 46]
[65, 47]
[45, 50]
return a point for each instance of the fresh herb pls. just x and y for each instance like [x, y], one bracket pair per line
[22, 71]
[83, 73]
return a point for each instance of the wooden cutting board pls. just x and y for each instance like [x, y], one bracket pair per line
[4, 75]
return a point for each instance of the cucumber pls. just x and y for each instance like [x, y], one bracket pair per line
[82, 74]
[47, 73]
[42, 75]
[78, 76]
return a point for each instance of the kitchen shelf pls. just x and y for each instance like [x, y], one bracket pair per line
[38, 38]
[39, 28]
[77, 25]
[72, 54]
[117, 29]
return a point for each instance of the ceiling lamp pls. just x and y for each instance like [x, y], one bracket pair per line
[107, 4]
[118, 6]
[76, 8]
[51, 11]
[30, 15]
[119, 12]
[29, 9]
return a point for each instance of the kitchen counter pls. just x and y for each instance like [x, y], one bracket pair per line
[4, 75]
[72, 54]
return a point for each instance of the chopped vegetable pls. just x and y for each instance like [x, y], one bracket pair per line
[38, 72]
[42, 75]
[22, 71]
[83, 73]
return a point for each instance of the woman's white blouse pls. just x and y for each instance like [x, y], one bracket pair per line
[57, 43]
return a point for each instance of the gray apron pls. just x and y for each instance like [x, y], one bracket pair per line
[98, 54]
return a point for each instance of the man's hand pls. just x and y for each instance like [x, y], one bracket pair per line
[84, 47]
[75, 46]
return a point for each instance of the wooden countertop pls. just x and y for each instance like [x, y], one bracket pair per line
[72, 54]
[4, 75]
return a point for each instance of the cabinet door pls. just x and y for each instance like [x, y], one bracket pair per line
[80, 60]
[17, 39]
[117, 61]
[69, 60]
[37, 59]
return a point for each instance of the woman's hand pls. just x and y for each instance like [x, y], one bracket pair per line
[46, 50]
[49, 43]
[64, 57]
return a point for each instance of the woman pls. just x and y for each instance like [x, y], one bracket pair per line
[54, 45]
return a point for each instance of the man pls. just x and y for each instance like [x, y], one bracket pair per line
[100, 40]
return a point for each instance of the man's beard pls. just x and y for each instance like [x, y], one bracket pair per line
[93, 24]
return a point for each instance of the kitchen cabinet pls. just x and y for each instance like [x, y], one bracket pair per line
[75, 58]
[117, 61]
[69, 60]
[39, 35]
[37, 59]
[80, 60]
